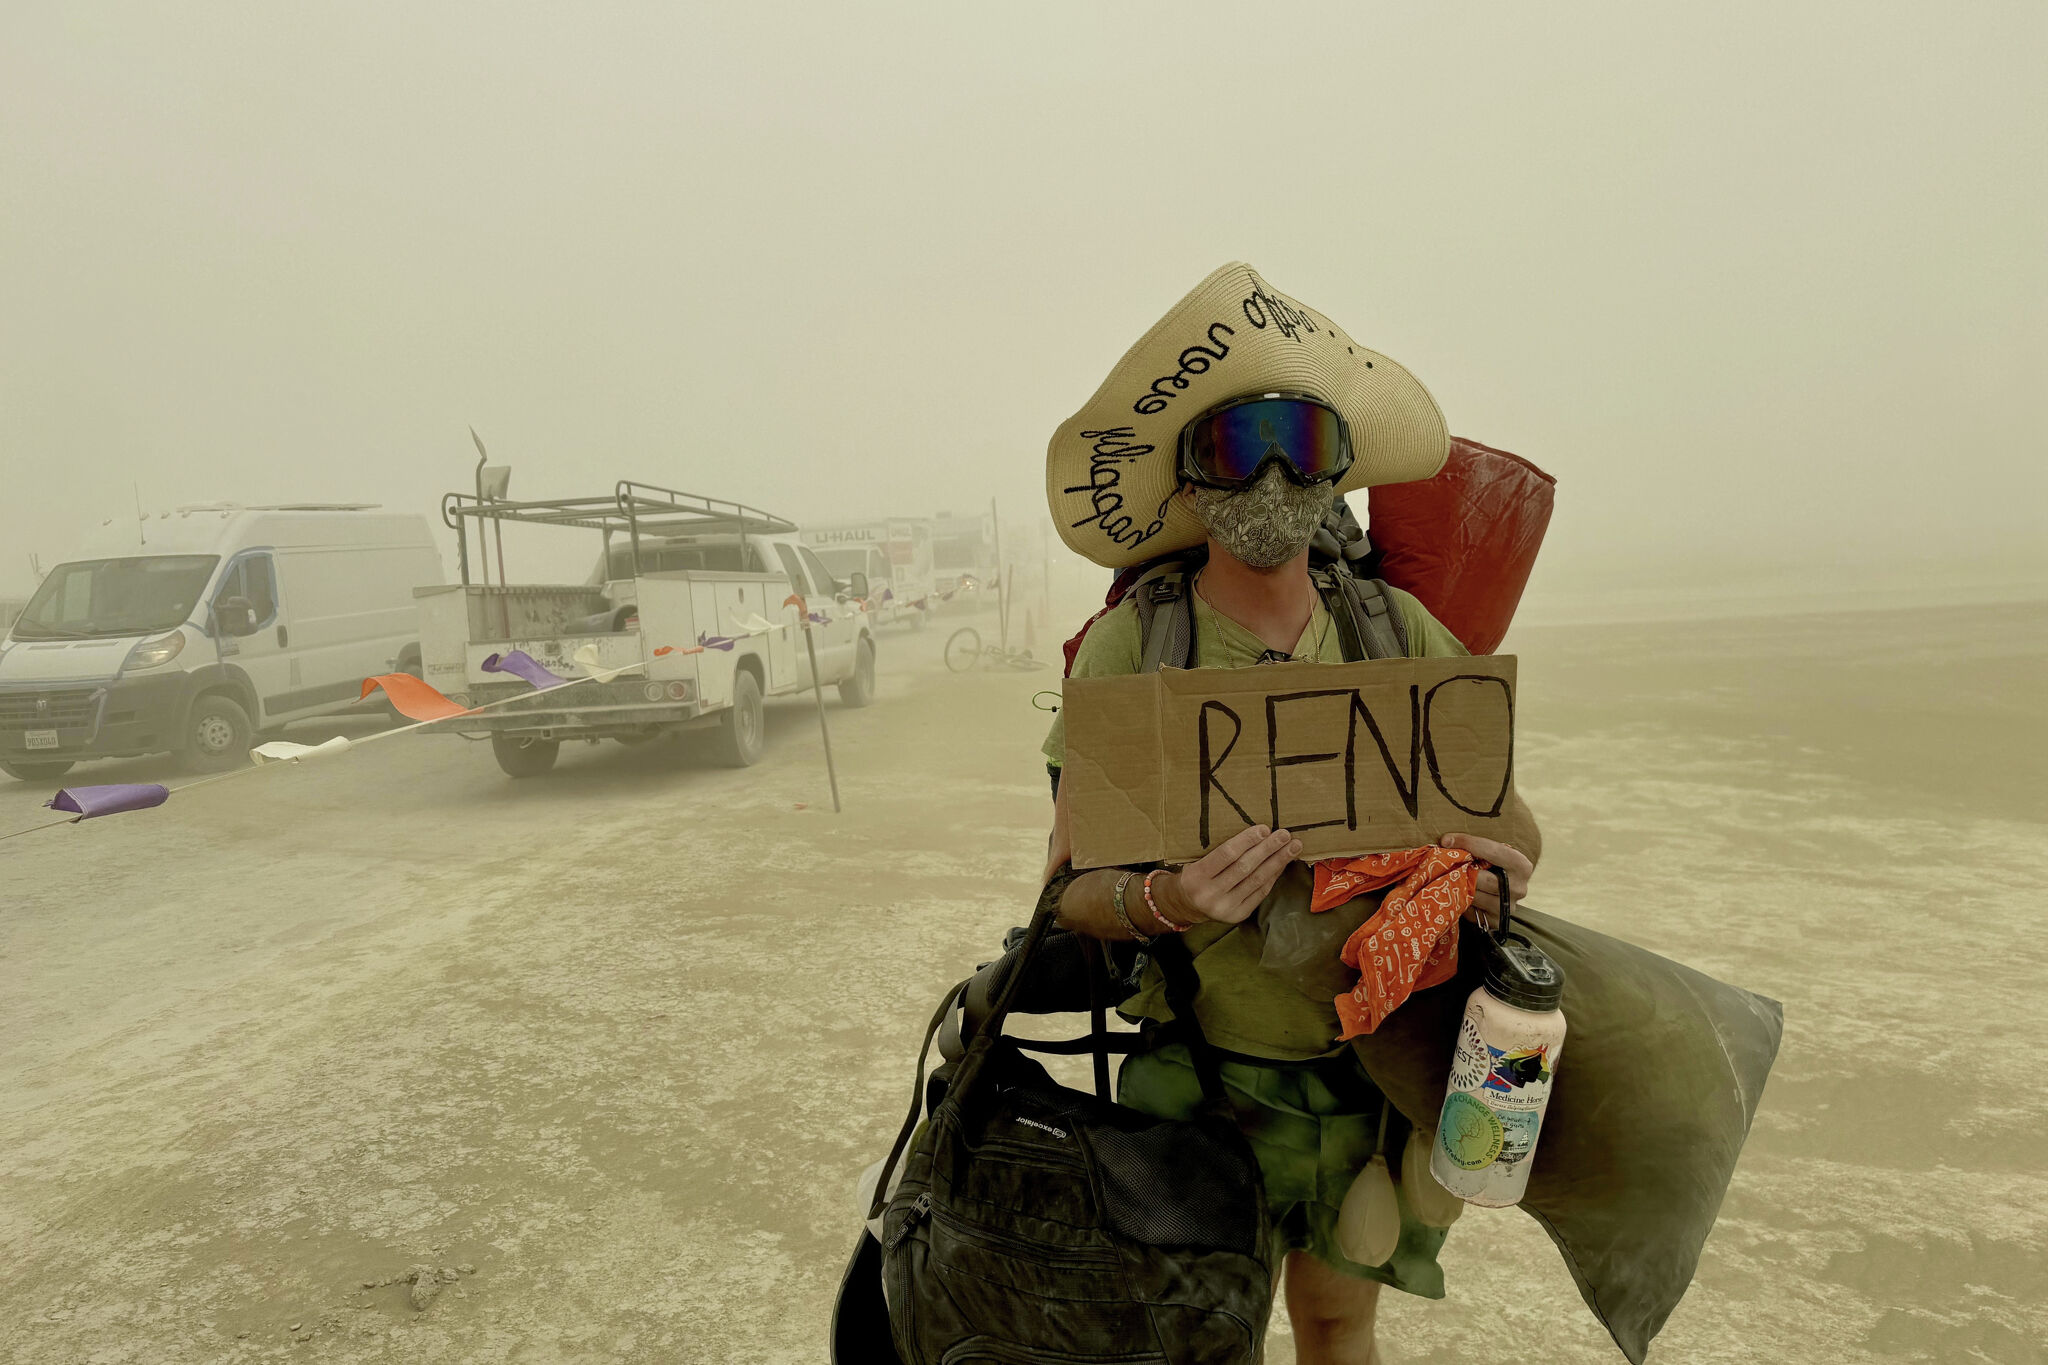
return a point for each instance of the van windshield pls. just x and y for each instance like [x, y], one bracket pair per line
[99, 597]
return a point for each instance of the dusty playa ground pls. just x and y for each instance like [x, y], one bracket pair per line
[392, 1059]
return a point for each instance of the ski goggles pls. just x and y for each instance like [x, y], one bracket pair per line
[1229, 446]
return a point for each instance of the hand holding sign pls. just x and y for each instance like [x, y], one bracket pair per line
[1227, 883]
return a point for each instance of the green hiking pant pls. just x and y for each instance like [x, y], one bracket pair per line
[1312, 1126]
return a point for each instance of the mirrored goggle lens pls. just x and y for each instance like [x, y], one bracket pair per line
[1231, 445]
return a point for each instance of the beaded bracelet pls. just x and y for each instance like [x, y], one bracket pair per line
[1174, 926]
[1123, 916]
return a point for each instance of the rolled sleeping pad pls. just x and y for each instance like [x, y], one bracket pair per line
[609, 622]
[1464, 541]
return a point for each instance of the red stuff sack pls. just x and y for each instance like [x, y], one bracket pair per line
[1463, 542]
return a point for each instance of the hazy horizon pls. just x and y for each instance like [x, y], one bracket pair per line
[1762, 287]
[562, 1028]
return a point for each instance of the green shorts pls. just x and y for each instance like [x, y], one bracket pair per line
[1313, 1126]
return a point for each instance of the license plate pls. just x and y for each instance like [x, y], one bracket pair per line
[41, 739]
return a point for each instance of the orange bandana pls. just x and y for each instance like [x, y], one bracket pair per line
[1411, 942]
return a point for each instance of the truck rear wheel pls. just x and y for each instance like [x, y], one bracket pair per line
[858, 688]
[47, 771]
[217, 735]
[521, 756]
[742, 732]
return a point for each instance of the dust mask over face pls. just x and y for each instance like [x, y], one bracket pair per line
[1267, 522]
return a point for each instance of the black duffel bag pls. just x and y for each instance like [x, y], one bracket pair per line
[1037, 1223]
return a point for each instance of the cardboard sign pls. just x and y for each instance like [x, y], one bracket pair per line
[1352, 758]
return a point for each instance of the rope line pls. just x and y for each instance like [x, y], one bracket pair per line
[257, 766]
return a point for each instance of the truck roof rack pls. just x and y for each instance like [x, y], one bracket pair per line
[634, 508]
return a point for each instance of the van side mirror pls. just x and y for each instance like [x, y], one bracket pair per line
[235, 616]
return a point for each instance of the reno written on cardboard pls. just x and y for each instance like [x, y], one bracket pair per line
[1352, 758]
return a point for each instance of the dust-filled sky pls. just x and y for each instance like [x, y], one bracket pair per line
[1761, 283]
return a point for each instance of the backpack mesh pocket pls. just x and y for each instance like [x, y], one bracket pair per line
[1148, 1173]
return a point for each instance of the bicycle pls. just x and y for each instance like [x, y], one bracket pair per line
[964, 650]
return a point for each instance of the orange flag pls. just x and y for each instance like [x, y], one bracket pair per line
[413, 699]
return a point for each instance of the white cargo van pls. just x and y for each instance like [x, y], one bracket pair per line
[190, 632]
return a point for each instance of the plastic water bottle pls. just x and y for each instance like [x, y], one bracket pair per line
[1508, 1047]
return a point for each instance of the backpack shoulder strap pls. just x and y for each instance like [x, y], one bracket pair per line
[1168, 640]
[1368, 626]
[903, 1135]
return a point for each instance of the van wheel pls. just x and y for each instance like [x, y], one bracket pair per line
[520, 756]
[408, 664]
[859, 689]
[384, 698]
[217, 735]
[48, 771]
[742, 732]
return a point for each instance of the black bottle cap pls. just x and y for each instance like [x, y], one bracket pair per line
[1516, 972]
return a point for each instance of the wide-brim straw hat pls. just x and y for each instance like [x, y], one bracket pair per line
[1111, 468]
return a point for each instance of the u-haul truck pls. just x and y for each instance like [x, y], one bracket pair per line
[895, 554]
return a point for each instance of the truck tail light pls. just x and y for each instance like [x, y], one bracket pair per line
[679, 691]
[651, 691]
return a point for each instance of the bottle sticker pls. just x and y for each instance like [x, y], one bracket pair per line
[1518, 1134]
[1520, 1076]
[1469, 1132]
[1471, 1062]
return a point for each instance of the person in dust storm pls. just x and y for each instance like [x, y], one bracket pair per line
[1241, 417]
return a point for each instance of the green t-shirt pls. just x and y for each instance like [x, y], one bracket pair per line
[1243, 1008]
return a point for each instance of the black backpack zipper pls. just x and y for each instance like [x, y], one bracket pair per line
[917, 1213]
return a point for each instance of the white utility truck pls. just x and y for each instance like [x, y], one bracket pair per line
[190, 632]
[894, 554]
[689, 592]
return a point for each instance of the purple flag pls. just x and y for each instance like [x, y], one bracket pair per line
[519, 662]
[715, 642]
[821, 619]
[86, 802]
